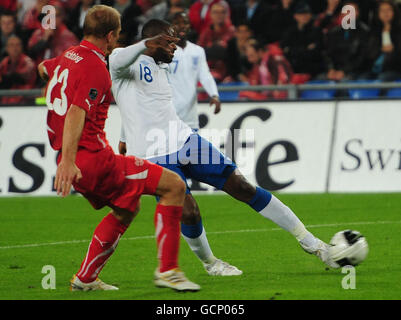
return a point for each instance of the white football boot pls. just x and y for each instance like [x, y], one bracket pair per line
[322, 252]
[174, 279]
[221, 268]
[78, 285]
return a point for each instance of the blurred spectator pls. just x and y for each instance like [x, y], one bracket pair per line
[317, 6]
[158, 10]
[106, 2]
[215, 37]
[303, 43]
[121, 5]
[175, 6]
[31, 20]
[68, 4]
[256, 14]
[331, 17]
[280, 19]
[384, 47]
[129, 24]
[346, 50]
[367, 10]
[17, 71]
[8, 5]
[236, 59]
[8, 27]
[49, 43]
[77, 17]
[269, 67]
[199, 14]
[24, 7]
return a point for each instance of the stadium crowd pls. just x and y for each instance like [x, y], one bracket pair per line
[253, 41]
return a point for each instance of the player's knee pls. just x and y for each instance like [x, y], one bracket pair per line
[124, 216]
[244, 191]
[175, 192]
[248, 190]
[178, 186]
[190, 213]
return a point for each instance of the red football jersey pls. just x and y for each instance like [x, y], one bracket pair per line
[79, 76]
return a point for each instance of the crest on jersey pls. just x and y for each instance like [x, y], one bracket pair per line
[93, 94]
[195, 61]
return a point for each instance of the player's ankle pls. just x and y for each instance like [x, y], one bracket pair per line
[209, 260]
[310, 241]
[84, 280]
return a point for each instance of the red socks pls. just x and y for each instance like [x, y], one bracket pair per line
[167, 224]
[104, 242]
[109, 231]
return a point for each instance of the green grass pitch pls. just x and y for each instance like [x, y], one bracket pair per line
[35, 232]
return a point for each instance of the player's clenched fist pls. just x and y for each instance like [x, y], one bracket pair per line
[66, 174]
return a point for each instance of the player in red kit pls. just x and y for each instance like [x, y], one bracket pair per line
[78, 97]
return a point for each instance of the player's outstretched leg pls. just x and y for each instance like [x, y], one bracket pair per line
[272, 208]
[104, 242]
[194, 234]
[171, 190]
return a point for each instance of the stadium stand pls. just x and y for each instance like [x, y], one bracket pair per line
[296, 41]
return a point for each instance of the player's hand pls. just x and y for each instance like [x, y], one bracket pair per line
[161, 41]
[122, 148]
[67, 173]
[217, 103]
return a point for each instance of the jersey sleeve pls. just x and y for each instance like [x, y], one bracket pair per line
[123, 138]
[90, 88]
[49, 66]
[122, 58]
[205, 77]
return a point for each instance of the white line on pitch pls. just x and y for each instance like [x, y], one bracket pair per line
[361, 223]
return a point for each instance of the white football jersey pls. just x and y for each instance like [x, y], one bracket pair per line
[150, 125]
[189, 66]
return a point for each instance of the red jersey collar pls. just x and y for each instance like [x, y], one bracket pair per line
[94, 49]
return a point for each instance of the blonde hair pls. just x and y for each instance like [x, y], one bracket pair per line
[100, 20]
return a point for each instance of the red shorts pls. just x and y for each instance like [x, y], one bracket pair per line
[109, 179]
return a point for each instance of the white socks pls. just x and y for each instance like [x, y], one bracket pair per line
[283, 216]
[200, 246]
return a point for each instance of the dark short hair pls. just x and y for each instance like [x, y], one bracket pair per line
[9, 13]
[154, 27]
[175, 16]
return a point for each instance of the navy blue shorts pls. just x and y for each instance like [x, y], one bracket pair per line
[198, 159]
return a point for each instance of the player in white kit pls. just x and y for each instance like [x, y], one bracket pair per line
[152, 130]
[189, 66]
[143, 94]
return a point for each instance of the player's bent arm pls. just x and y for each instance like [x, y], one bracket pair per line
[122, 58]
[43, 72]
[67, 171]
[73, 127]
[206, 78]
[215, 100]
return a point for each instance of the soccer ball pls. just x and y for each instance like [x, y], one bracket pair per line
[348, 247]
